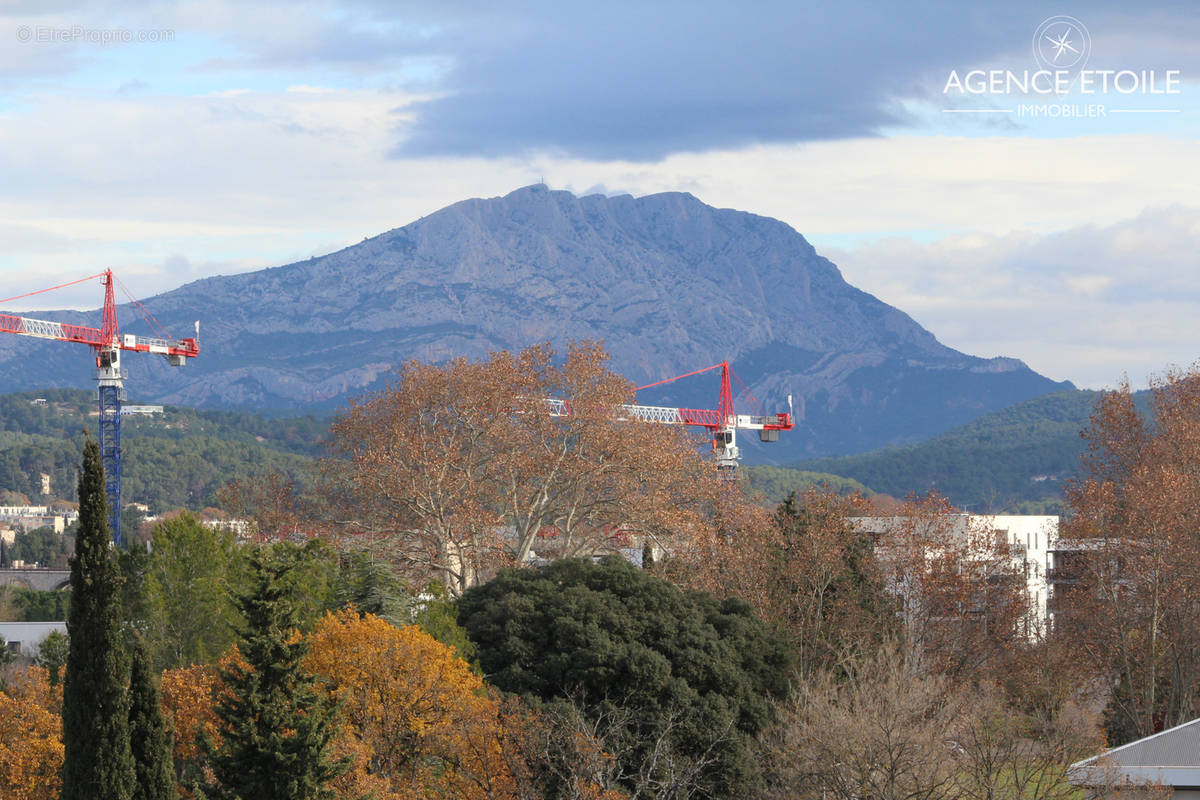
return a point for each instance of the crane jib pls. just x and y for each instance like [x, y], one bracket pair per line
[51, 330]
[65, 332]
[669, 415]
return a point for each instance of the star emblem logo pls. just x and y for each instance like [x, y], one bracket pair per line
[1061, 42]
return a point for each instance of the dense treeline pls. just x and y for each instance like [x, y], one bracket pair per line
[18, 604]
[775, 484]
[1017, 460]
[177, 459]
[66, 411]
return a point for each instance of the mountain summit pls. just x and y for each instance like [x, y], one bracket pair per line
[670, 284]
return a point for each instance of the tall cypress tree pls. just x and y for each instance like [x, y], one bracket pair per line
[278, 725]
[97, 763]
[149, 737]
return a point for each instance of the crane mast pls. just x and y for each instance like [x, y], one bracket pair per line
[107, 343]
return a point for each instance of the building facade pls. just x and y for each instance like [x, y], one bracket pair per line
[1026, 540]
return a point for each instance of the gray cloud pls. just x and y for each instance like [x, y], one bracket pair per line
[625, 80]
[638, 82]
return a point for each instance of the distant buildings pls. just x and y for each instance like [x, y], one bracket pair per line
[26, 518]
[242, 529]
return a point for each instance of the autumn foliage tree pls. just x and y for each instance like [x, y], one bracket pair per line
[806, 570]
[31, 747]
[427, 725]
[1132, 614]
[837, 583]
[187, 696]
[462, 468]
[273, 504]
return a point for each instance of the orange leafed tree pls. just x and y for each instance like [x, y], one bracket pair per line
[419, 711]
[31, 748]
[461, 468]
[1132, 613]
[805, 569]
[838, 582]
[272, 504]
[186, 694]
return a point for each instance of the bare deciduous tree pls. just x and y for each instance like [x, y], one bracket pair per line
[806, 570]
[962, 590]
[883, 729]
[462, 467]
[1003, 754]
[1132, 613]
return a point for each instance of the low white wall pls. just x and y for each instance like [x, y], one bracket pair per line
[29, 634]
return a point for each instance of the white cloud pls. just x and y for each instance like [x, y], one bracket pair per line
[1088, 304]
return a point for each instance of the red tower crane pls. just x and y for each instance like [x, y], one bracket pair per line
[723, 422]
[107, 343]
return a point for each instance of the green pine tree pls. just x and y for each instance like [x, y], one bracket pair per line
[149, 736]
[97, 764]
[278, 727]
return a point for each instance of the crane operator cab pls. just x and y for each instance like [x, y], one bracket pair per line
[725, 444]
[108, 365]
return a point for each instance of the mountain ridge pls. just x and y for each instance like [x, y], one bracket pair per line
[668, 283]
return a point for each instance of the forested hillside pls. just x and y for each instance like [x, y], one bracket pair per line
[1016, 459]
[178, 458]
[774, 484]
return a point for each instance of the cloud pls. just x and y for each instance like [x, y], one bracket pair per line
[614, 81]
[638, 81]
[641, 81]
[1089, 304]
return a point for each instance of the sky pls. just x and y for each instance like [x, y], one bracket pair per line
[1053, 218]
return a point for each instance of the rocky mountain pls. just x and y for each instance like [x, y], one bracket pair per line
[670, 284]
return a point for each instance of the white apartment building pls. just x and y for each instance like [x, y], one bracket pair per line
[1029, 540]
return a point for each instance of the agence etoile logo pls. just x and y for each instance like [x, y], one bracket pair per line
[1061, 42]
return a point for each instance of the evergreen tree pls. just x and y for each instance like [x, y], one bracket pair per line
[677, 683]
[97, 764]
[52, 655]
[278, 726]
[189, 580]
[149, 736]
